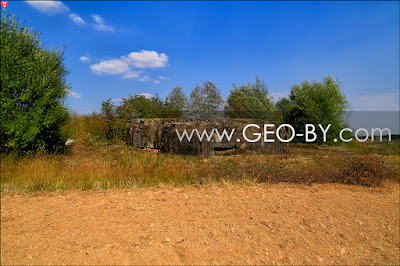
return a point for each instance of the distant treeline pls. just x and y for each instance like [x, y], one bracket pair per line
[313, 103]
[392, 137]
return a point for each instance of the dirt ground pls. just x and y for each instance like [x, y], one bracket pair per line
[221, 224]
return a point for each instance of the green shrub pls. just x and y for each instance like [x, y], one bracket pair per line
[32, 89]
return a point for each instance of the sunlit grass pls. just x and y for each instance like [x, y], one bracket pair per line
[92, 162]
[105, 165]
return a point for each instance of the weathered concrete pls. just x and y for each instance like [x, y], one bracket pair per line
[161, 134]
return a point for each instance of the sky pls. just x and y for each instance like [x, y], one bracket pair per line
[114, 49]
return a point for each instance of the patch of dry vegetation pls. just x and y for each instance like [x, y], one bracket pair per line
[95, 163]
[115, 165]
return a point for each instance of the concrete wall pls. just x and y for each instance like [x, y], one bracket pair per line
[161, 134]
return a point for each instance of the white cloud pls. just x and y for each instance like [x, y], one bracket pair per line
[74, 94]
[144, 78]
[100, 25]
[147, 95]
[376, 102]
[113, 67]
[84, 58]
[161, 77]
[147, 59]
[127, 65]
[49, 7]
[77, 19]
[131, 75]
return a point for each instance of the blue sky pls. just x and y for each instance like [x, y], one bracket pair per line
[117, 49]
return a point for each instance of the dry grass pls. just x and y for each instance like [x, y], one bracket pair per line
[95, 163]
[102, 165]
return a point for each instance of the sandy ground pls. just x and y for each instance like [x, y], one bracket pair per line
[225, 224]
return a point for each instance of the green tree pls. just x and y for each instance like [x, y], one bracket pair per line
[176, 103]
[284, 107]
[250, 101]
[33, 87]
[205, 101]
[139, 106]
[108, 109]
[316, 103]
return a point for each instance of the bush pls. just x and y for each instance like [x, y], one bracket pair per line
[32, 89]
[366, 170]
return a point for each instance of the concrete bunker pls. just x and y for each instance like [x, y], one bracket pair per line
[161, 133]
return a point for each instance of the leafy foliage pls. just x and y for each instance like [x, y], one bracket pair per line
[250, 101]
[176, 102]
[119, 117]
[32, 89]
[206, 101]
[316, 103]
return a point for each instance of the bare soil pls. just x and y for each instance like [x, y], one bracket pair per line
[221, 224]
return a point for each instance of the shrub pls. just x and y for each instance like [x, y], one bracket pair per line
[366, 170]
[32, 89]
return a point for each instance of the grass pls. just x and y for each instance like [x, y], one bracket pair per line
[92, 162]
[103, 165]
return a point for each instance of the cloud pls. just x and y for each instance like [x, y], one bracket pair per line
[113, 67]
[147, 59]
[84, 59]
[49, 7]
[77, 19]
[131, 75]
[161, 77]
[74, 94]
[144, 78]
[127, 65]
[100, 25]
[146, 95]
[376, 102]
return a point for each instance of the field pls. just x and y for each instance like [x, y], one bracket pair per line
[102, 202]
[212, 224]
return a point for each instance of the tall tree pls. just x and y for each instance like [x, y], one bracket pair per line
[316, 103]
[176, 102]
[250, 101]
[33, 87]
[206, 101]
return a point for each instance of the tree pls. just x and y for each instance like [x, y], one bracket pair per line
[33, 87]
[250, 101]
[205, 101]
[139, 106]
[108, 109]
[316, 103]
[176, 103]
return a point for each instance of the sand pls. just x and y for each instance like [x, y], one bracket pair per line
[220, 224]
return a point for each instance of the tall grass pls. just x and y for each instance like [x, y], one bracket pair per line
[104, 165]
[87, 128]
[92, 162]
